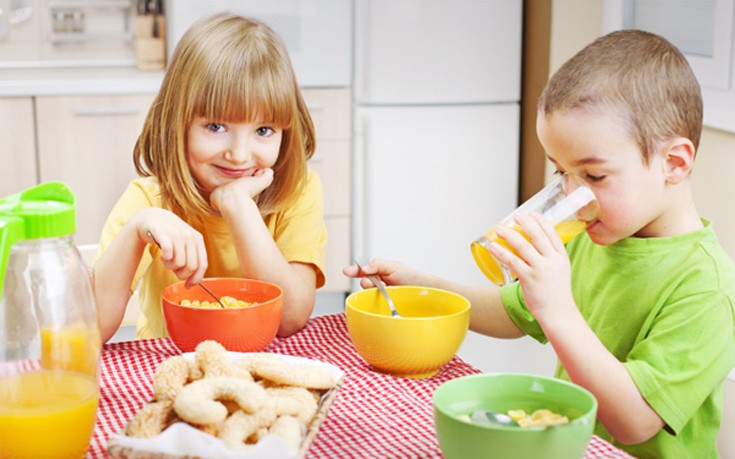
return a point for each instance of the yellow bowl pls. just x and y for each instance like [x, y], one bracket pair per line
[433, 325]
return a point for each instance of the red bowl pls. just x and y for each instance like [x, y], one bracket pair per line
[248, 329]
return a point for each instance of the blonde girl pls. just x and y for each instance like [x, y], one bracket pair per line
[224, 187]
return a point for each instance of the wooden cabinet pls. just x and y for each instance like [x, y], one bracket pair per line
[18, 152]
[331, 111]
[87, 142]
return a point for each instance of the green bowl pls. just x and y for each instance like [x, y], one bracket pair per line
[461, 438]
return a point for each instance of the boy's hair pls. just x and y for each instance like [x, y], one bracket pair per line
[642, 77]
[226, 68]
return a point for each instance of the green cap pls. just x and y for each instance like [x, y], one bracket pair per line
[44, 211]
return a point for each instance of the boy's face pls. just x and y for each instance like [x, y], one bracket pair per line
[597, 147]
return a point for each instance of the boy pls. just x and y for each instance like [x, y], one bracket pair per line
[639, 308]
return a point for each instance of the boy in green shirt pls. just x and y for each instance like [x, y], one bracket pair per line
[640, 307]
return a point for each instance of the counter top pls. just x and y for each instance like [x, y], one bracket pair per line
[26, 82]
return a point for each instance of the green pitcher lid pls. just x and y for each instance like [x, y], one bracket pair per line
[44, 211]
[47, 210]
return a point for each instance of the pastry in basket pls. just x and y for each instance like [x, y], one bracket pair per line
[238, 401]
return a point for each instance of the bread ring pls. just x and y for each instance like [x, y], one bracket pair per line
[170, 377]
[240, 426]
[151, 420]
[212, 359]
[294, 401]
[196, 402]
[288, 429]
[277, 369]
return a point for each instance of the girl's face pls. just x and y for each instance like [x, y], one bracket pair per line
[218, 153]
[598, 148]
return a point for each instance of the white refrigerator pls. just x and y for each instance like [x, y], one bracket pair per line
[437, 108]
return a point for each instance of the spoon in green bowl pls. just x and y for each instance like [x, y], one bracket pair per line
[493, 418]
[378, 283]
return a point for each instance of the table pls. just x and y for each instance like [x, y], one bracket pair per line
[374, 414]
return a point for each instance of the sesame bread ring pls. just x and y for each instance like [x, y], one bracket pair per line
[278, 370]
[197, 402]
[170, 377]
[151, 420]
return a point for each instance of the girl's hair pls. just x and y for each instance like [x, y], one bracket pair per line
[225, 68]
[638, 75]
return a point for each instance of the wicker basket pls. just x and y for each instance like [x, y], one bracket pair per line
[119, 451]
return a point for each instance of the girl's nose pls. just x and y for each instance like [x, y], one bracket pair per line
[239, 152]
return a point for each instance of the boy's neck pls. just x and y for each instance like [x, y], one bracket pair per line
[680, 217]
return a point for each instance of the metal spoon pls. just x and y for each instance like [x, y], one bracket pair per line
[492, 417]
[379, 283]
[216, 298]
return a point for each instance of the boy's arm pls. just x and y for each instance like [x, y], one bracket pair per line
[487, 313]
[621, 408]
[543, 269]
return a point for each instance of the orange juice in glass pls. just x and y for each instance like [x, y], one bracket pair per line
[47, 414]
[566, 202]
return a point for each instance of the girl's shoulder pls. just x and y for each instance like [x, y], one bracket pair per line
[146, 188]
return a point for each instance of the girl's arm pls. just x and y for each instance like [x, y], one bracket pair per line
[487, 313]
[182, 251]
[544, 272]
[258, 253]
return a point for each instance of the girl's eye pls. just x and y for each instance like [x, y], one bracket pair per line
[265, 131]
[595, 178]
[216, 127]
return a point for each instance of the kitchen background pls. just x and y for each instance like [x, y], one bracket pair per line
[424, 112]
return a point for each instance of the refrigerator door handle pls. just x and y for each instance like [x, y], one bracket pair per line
[359, 189]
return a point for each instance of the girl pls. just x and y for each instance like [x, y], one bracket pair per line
[225, 189]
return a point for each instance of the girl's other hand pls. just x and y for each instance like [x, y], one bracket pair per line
[182, 247]
[391, 272]
[250, 186]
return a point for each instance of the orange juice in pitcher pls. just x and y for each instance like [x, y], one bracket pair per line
[47, 414]
[49, 335]
[569, 205]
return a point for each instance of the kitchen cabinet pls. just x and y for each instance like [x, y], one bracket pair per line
[331, 111]
[18, 154]
[87, 142]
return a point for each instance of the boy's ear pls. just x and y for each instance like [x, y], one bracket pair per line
[678, 159]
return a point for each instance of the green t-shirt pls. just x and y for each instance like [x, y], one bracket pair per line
[665, 308]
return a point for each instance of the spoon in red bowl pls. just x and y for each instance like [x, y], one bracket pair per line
[216, 298]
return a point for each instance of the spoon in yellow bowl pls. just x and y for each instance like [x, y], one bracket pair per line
[378, 283]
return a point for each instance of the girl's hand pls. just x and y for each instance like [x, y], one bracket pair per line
[250, 187]
[182, 247]
[542, 266]
[391, 272]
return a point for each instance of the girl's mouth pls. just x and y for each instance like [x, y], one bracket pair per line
[234, 173]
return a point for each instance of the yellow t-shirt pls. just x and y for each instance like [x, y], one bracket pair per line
[299, 233]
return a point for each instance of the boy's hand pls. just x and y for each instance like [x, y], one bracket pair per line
[542, 266]
[251, 186]
[391, 272]
[182, 247]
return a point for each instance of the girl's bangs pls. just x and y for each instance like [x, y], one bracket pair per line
[239, 97]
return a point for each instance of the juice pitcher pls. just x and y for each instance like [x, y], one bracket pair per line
[49, 335]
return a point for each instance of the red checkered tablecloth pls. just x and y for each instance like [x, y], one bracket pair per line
[374, 415]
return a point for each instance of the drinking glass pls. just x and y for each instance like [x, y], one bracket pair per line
[567, 202]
